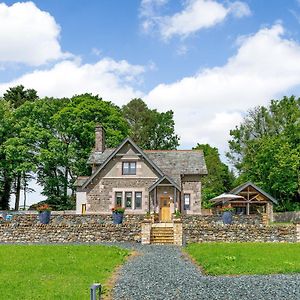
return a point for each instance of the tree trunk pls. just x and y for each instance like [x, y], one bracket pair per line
[5, 195]
[18, 192]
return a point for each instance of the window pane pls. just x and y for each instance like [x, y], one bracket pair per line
[125, 168]
[138, 200]
[128, 199]
[187, 198]
[118, 199]
[132, 167]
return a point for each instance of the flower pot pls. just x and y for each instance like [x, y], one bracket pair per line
[227, 217]
[44, 217]
[117, 218]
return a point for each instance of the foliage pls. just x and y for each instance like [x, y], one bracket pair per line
[118, 210]
[43, 207]
[219, 178]
[53, 271]
[16, 96]
[16, 147]
[149, 128]
[227, 208]
[6, 177]
[265, 149]
[177, 214]
[61, 134]
[238, 258]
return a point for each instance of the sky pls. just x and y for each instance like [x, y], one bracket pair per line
[209, 61]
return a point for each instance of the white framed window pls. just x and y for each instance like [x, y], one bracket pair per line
[137, 200]
[128, 200]
[129, 168]
[187, 201]
[118, 198]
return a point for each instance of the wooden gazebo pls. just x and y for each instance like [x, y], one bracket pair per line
[255, 200]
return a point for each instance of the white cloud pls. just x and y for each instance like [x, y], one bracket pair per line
[112, 80]
[196, 15]
[210, 103]
[28, 35]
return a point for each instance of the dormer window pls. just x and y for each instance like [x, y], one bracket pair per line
[129, 168]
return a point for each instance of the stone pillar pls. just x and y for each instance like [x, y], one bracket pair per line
[99, 139]
[178, 232]
[146, 232]
[298, 232]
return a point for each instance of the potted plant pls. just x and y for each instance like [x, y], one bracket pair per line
[227, 214]
[117, 214]
[44, 213]
[177, 215]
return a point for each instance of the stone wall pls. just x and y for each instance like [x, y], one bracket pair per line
[217, 219]
[25, 228]
[70, 229]
[289, 216]
[196, 233]
[244, 229]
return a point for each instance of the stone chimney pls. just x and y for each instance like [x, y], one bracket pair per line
[99, 139]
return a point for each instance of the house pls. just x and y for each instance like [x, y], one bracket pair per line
[159, 181]
[253, 200]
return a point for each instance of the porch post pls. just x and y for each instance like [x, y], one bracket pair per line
[175, 198]
[155, 199]
[248, 209]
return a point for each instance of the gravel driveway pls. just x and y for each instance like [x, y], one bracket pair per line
[162, 272]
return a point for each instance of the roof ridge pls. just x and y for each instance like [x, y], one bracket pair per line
[180, 150]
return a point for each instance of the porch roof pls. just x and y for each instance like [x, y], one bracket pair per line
[167, 178]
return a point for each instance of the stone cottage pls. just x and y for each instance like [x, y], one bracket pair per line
[160, 181]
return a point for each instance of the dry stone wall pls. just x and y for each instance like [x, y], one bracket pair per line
[199, 229]
[25, 228]
[288, 216]
[71, 229]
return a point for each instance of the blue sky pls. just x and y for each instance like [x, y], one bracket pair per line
[207, 60]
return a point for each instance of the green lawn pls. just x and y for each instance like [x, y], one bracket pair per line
[55, 271]
[246, 258]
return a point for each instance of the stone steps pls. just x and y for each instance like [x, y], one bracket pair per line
[162, 235]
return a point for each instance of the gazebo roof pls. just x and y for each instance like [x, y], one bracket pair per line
[245, 185]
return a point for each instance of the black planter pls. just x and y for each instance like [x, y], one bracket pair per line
[117, 218]
[227, 217]
[44, 217]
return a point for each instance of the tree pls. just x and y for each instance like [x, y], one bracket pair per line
[15, 146]
[265, 149]
[149, 128]
[62, 134]
[219, 178]
[6, 177]
[16, 96]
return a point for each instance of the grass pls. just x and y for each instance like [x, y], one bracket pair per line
[246, 258]
[55, 271]
[281, 224]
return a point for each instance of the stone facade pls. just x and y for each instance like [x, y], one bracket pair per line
[101, 196]
[288, 216]
[192, 185]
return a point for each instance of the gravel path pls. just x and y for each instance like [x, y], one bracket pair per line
[162, 272]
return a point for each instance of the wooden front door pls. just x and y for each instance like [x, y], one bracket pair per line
[165, 213]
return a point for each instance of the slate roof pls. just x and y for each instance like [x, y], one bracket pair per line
[172, 163]
[99, 158]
